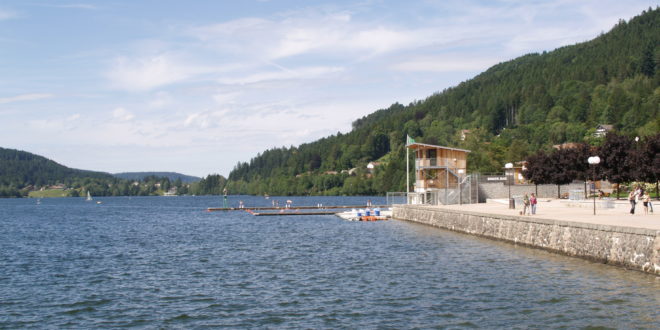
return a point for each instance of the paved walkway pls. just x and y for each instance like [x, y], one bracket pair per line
[563, 210]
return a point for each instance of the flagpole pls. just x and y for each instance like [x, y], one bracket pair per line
[407, 170]
[407, 166]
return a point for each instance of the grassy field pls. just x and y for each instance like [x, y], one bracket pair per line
[49, 193]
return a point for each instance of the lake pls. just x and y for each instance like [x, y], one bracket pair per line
[151, 262]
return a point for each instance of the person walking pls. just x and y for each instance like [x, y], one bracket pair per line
[526, 208]
[631, 198]
[533, 201]
[646, 200]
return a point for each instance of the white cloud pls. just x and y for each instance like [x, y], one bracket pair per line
[160, 100]
[77, 6]
[306, 32]
[25, 97]
[146, 73]
[122, 114]
[286, 74]
[73, 117]
[225, 98]
[7, 14]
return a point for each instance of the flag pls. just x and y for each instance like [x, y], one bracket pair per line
[409, 140]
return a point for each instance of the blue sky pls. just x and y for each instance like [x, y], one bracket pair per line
[196, 86]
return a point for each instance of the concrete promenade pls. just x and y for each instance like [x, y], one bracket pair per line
[612, 236]
[563, 210]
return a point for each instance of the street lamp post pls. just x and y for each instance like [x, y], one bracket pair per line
[460, 191]
[508, 167]
[593, 161]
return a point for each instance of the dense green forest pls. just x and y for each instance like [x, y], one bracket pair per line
[512, 110]
[172, 176]
[22, 172]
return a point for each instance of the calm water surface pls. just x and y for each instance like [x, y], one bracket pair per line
[164, 262]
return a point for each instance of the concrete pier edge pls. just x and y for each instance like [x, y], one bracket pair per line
[631, 248]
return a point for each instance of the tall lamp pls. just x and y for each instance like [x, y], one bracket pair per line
[593, 161]
[508, 168]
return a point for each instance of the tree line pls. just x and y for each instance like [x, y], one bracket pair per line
[623, 159]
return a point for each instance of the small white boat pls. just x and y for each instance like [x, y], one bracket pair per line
[360, 215]
[89, 196]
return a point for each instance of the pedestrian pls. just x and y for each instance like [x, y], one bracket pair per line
[224, 192]
[639, 192]
[646, 199]
[650, 204]
[526, 208]
[533, 201]
[631, 199]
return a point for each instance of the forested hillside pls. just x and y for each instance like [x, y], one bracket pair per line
[512, 110]
[20, 168]
[22, 173]
[172, 176]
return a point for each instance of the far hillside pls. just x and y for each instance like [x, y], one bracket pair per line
[20, 168]
[24, 174]
[172, 176]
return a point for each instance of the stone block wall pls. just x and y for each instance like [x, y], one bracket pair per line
[633, 248]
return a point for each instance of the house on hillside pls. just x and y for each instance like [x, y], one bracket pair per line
[438, 171]
[372, 166]
[567, 145]
[602, 130]
[464, 134]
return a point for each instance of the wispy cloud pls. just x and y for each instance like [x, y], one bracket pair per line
[122, 114]
[24, 97]
[142, 73]
[7, 14]
[309, 32]
[79, 6]
[146, 73]
[446, 63]
[297, 74]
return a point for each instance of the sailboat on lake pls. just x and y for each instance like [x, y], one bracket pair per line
[89, 196]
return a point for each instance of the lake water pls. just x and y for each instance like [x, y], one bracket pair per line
[153, 262]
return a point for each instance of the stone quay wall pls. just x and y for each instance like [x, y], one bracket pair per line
[632, 248]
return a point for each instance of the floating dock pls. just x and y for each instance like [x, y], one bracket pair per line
[313, 210]
[308, 207]
[261, 214]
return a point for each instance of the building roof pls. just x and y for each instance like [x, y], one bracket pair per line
[432, 146]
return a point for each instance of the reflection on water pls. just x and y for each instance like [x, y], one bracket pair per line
[165, 262]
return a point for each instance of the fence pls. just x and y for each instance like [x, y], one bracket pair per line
[462, 194]
[396, 198]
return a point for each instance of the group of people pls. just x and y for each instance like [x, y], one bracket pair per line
[638, 194]
[529, 204]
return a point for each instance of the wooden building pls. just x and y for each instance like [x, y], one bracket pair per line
[438, 167]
